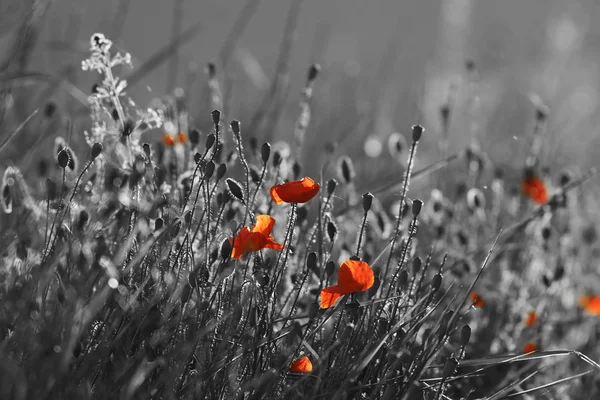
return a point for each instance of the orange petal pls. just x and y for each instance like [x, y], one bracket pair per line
[529, 347]
[535, 189]
[477, 300]
[591, 304]
[295, 191]
[168, 140]
[246, 242]
[329, 296]
[272, 244]
[301, 366]
[181, 137]
[355, 276]
[531, 318]
[264, 224]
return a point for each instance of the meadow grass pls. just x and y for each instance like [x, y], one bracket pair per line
[134, 269]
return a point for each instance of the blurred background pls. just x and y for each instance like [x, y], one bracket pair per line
[386, 64]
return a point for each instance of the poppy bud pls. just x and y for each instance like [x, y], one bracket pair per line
[226, 249]
[84, 217]
[329, 268]
[216, 117]
[313, 71]
[546, 281]
[211, 70]
[49, 109]
[417, 132]
[449, 367]
[416, 207]
[209, 170]
[194, 137]
[254, 175]
[63, 158]
[331, 185]
[265, 152]
[436, 282]
[96, 150]
[221, 171]
[311, 263]
[276, 159]
[296, 170]
[331, 231]
[235, 189]
[403, 278]
[51, 188]
[158, 223]
[210, 141]
[465, 335]
[416, 265]
[187, 217]
[146, 148]
[253, 142]
[346, 170]
[235, 127]
[475, 199]
[367, 201]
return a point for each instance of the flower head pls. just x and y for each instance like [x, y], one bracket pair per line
[477, 300]
[168, 140]
[295, 192]
[354, 276]
[591, 304]
[256, 238]
[301, 366]
[531, 318]
[182, 137]
[529, 347]
[534, 188]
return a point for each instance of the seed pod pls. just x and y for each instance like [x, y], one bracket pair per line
[265, 152]
[158, 223]
[417, 205]
[235, 127]
[417, 132]
[63, 158]
[235, 189]
[96, 150]
[403, 279]
[216, 117]
[367, 201]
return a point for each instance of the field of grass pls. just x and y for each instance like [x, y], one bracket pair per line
[253, 235]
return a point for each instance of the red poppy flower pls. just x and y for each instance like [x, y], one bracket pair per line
[354, 276]
[477, 300]
[295, 192]
[182, 137]
[256, 238]
[590, 304]
[531, 318]
[301, 366]
[529, 347]
[534, 188]
[168, 140]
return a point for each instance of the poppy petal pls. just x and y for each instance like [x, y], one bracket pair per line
[329, 296]
[534, 188]
[295, 191]
[301, 366]
[529, 347]
[264, 224]
[355, 276]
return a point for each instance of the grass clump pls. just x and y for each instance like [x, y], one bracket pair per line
[206, 265]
